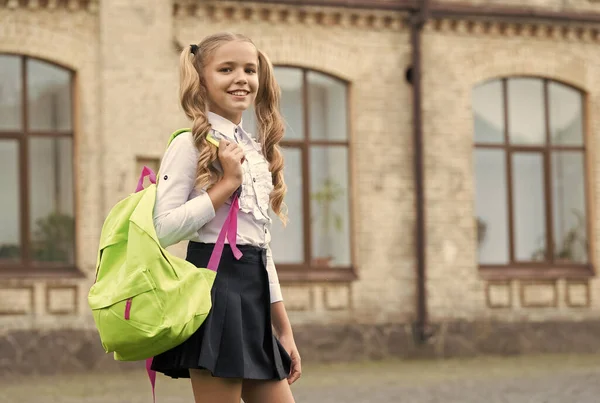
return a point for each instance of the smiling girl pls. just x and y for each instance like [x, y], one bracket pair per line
[234, 354]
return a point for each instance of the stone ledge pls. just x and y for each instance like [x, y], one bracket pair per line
[91, 6]
[290, 14]
[64, 351]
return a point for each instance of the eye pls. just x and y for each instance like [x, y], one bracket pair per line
[250, 71]
[225, 70]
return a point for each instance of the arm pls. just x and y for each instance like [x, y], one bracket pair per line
[281, 322]
[279, 316]
[175, 217]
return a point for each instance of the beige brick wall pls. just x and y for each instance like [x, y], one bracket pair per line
[454, 64]
[69, 37]
[125, 58]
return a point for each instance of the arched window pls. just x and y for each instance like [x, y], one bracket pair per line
[530, 175]
[36, 160]
[316, 149]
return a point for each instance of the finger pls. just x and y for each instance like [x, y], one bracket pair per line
[296, 371]
[230, 148]
[294, 376]
[226, 144]
[239, 153]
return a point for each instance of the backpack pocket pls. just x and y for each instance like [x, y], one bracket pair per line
[129, 317]
[137, 283]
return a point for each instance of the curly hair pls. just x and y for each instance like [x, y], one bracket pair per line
[193, 97]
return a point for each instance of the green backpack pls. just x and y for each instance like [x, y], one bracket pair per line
[145, 300]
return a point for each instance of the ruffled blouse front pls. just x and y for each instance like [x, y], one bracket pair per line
[257, 184]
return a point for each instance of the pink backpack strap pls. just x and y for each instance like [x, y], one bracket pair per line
[152, 377]
[145, 172]
[228, 230]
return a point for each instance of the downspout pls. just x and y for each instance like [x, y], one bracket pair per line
[417, 21]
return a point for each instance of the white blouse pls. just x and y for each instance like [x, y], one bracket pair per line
[184, 212]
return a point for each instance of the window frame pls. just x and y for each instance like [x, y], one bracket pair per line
[306, 271]
[547, 269]
[27, 267]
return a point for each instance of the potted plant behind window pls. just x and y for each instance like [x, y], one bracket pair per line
[53, 238]
[574, 246]
[330, 220]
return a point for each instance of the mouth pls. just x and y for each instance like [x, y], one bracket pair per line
[239, 93]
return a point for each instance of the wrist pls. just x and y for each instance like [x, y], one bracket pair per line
[231, 182]
[287, 334]
[283, 331]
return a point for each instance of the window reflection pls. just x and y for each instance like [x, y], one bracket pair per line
[545, 150]
[327, 103]
[292, 107]
[10, 208]
[287, 243]
[566, 115]
[488, 113]
[317, 174]
[11, 114]
[329, 206]
[45, 190]
[569, 215]
[48, 97]
[491, 207]
[526, 121]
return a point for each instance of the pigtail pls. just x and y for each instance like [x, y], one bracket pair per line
[271, 129]
[192, 95]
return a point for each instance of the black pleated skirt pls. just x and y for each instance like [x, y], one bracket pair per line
[236, 339]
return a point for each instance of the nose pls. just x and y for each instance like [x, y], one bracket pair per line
[241, 78]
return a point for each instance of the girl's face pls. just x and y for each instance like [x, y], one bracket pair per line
[231, 79]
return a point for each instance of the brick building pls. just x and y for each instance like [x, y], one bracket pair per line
[440, 161]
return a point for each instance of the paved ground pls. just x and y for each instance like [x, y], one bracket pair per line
[542, 379]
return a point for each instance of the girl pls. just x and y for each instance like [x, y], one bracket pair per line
[234, 354]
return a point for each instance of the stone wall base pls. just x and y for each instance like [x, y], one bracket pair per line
[63, 351]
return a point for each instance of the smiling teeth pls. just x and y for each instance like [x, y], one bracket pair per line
[240, 93]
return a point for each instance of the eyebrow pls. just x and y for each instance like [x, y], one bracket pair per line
[251, 64]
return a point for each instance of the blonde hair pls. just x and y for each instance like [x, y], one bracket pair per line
[193, 97]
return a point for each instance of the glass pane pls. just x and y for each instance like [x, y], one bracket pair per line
[491, 206]
[566, 115]
[48, 97]
[526, 122]
[287, 243]
[51, 199]
[488, 112]
[10, 212]
[292, 107]
[11, 87]
[327, 107]
[569, 215]
[529, 207]
[330, 220]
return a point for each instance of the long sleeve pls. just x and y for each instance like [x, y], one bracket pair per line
[175, 217]
[274, 286]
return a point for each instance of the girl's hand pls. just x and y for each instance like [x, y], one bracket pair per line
[231, 157]
[287, 341]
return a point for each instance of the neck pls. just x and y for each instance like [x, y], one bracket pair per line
[234, 118]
